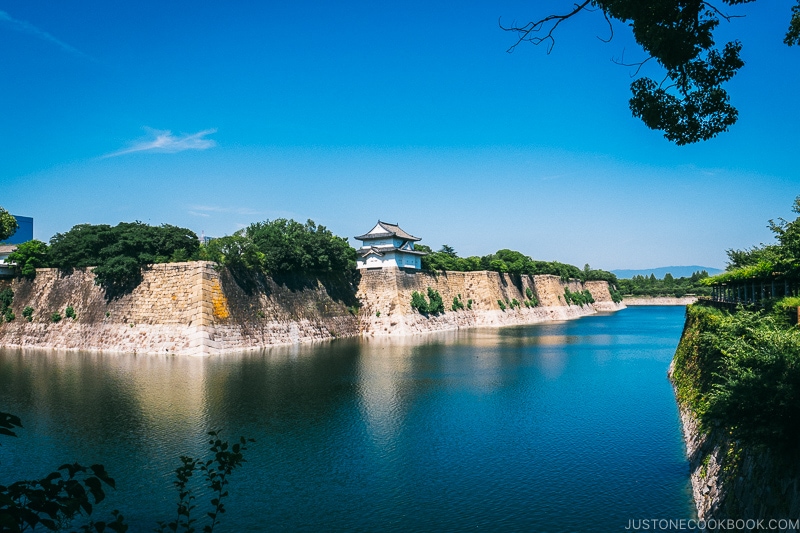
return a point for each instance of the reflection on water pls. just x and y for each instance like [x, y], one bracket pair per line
[552, 427]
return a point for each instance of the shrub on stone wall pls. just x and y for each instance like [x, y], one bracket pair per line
[419, 302]
[616, 295]
[436, 304]
[739, 372]
[578, 298]
[55, 317]
[432, 306]
[6, 299]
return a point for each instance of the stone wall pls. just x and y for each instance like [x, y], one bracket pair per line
[192, 308]
[385, 296]
[659, 300]
[166, 313]
[731, 482]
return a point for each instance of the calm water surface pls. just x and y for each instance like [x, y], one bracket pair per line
[567, 426]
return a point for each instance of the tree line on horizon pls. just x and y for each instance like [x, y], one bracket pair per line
[667, 286]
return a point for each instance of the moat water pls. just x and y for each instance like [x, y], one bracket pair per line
[568, 426]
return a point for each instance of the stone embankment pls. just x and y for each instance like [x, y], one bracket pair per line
[734, 482]
[194, 309]
[729, 482]
[658, 300]
[385, 296]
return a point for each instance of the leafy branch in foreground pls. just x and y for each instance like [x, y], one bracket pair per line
[70, 493]
[215, 472]
[55, 501]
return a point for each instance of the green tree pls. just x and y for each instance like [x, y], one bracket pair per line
[8, 224]
[788, 236]
[419, 302]
[448, 250]
[120, 252]
[236, 252]
[752, 256]
[436, 304]
[28, 257]
[689, 104]
[289, 246]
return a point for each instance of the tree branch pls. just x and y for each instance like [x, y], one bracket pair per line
[637, 64]
[716, 10]
[610, 28]
[530, 31]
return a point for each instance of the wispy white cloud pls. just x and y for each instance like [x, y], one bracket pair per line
[27, 27]
[163, 141]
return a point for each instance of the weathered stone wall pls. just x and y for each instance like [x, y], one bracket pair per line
[385, 296]
[191, 308]
[167, 313]
[182, 308]
[729, 482]
[263, 311]
[659, 300]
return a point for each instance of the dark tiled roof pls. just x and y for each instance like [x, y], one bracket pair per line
[391, 230]
[382, 250]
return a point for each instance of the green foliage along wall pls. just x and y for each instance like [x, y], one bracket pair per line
[741, 371]
[432, 306]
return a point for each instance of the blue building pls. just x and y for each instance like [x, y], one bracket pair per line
[24, 232]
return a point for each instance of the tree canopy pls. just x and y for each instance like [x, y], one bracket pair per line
[282, 246]
[689, 103]
[668, 286]
[766, 260]
[120, 252]
[28, 257]
[8, 224]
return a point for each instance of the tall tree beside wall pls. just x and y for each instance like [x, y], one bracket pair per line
[8, 224]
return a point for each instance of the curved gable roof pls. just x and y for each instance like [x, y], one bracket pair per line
[389, 230]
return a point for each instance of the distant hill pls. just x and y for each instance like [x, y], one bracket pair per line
[660, 272]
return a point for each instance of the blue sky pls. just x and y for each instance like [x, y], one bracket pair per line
[213, 115]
